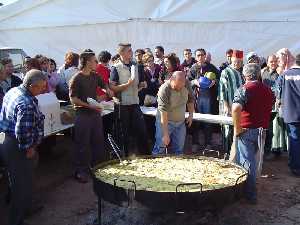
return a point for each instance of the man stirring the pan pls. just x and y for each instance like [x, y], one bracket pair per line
[174, 96]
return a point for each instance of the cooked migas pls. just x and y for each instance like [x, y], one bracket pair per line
[164, 174]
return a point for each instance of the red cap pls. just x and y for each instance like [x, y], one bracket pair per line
[238, 54]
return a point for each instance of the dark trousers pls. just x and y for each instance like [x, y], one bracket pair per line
[227, 137]
[88, 134]
[132, 123]
[268, 144]
[20, 173]
[294, 145]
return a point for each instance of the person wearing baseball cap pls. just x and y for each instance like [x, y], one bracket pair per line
[252, 57]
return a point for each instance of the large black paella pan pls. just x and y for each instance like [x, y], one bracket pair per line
[179, 183]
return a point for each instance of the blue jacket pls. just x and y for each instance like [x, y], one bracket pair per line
[291, 95]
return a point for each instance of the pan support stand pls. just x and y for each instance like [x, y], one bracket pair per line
[98, 221]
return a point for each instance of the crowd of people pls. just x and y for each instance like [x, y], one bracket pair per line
[260, 95]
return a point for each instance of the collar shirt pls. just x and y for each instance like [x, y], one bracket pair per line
[269, 78]
[159, 61]
[20, 117]
[231, 79]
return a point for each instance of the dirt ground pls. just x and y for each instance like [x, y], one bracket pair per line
[67, 202]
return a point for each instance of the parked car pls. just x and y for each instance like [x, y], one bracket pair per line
[17, 55]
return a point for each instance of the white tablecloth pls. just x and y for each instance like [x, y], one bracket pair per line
[151, 111]
[208, 118]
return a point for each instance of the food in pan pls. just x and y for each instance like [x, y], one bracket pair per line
[163, 174]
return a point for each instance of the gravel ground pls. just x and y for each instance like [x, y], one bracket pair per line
[67, 202]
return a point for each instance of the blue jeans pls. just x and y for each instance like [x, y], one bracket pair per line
[177, 132]
[204, 102]
[294, 145]
[247, 146]
[204, 106]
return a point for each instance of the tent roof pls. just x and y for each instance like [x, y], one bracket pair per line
[25, 14]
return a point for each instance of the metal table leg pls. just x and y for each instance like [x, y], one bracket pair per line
[99, 210]
[98, 221]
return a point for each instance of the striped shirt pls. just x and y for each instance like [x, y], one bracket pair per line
[21, 118]
[230, 81]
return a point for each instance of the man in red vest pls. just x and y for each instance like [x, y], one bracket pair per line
[251, 110]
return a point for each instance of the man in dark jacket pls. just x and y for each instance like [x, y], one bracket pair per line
[291, 113]
[206, 96]
[189, 60]
[228, 62]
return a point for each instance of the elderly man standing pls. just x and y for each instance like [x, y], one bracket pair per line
[231, 79]
[251, 110]
[126, 83]
[252, 57]
[22, 127]
[173, 98]
[276, 133]
[291, 113]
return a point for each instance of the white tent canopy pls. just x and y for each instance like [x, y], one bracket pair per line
[53, 27]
